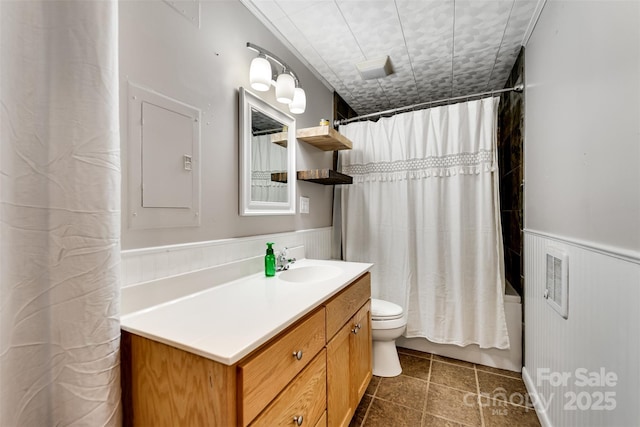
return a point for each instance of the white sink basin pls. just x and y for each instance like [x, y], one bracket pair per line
[310, 273]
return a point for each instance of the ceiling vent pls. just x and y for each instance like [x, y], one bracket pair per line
[375, 68]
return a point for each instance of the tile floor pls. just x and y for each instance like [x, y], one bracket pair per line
[438, 391]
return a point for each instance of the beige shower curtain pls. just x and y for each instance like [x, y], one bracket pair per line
[60, 214]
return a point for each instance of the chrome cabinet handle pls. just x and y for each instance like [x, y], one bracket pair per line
[359, 326]
[355, 329]
[298, 420]
[298, 355]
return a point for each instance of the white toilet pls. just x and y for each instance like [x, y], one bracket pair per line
[388, 322]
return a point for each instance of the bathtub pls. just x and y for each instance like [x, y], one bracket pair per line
[504, 359]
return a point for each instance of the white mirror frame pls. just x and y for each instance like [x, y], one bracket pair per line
[250, 207]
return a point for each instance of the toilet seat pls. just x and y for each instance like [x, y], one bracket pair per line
[385, 310]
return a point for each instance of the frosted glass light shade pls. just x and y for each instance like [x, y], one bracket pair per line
[260, 74]
[299, 103]
[285, 86]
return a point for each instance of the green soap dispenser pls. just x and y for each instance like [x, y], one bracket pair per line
[269, 262]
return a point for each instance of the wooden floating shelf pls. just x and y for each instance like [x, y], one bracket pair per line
[324, 176]
[279, 177]
[280, 138]
[318, 176]
[325, 138]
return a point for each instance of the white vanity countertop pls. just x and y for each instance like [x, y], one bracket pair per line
[229, 321]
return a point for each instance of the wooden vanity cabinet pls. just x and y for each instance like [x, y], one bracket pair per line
[317, 369]
[349, 360]
[166, 386]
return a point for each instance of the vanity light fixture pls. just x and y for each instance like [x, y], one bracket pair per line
[261, 77]
[299, 102]
[285, 85]
[260, 74]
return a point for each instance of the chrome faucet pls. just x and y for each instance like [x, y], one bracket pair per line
[283, 261]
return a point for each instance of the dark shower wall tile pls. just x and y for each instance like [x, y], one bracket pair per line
[516, 189]
[511, 190]
[512, 230]
[511, 165]
[515, 152]
[504, 155]
[513, 267]
[506, 230]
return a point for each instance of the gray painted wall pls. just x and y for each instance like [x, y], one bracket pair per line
[203, 67]
[582, 147]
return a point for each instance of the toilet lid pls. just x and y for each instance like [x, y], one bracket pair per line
[381, 309]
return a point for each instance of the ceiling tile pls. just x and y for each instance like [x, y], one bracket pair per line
[479, 24]
[332, 40]
[519, 20]
[438, 48]
[504, 64]
[270, 9]
[375, 26]
[427, 28]
[291, 7]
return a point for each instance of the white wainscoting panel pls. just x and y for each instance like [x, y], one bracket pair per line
[142, 265]
[600, 335]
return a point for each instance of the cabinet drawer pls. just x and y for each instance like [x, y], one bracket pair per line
[305, 397]
[263, 376]
[344, 305]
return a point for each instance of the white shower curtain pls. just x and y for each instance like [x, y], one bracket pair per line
[60, 214]
[424, 208]
[267, 158]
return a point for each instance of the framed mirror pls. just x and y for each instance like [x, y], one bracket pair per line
[267, 158]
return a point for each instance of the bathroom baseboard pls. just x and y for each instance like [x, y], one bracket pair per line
[541, 410]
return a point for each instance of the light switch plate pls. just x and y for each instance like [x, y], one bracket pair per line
[304, 205]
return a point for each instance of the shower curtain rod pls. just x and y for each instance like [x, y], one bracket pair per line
[518, 88]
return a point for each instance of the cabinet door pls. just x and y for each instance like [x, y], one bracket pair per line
[339, 397]
[360, 353]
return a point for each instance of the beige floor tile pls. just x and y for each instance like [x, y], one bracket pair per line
[455, 376]
[361, 411]
[499, 371]
[449, 399]
[387, 414]
[429, 420]
[403, 390]
[499, 387]
[415, 367]
[455, 405]
[373, 385]
[497, 413]
[435, 357]
[415, 353]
